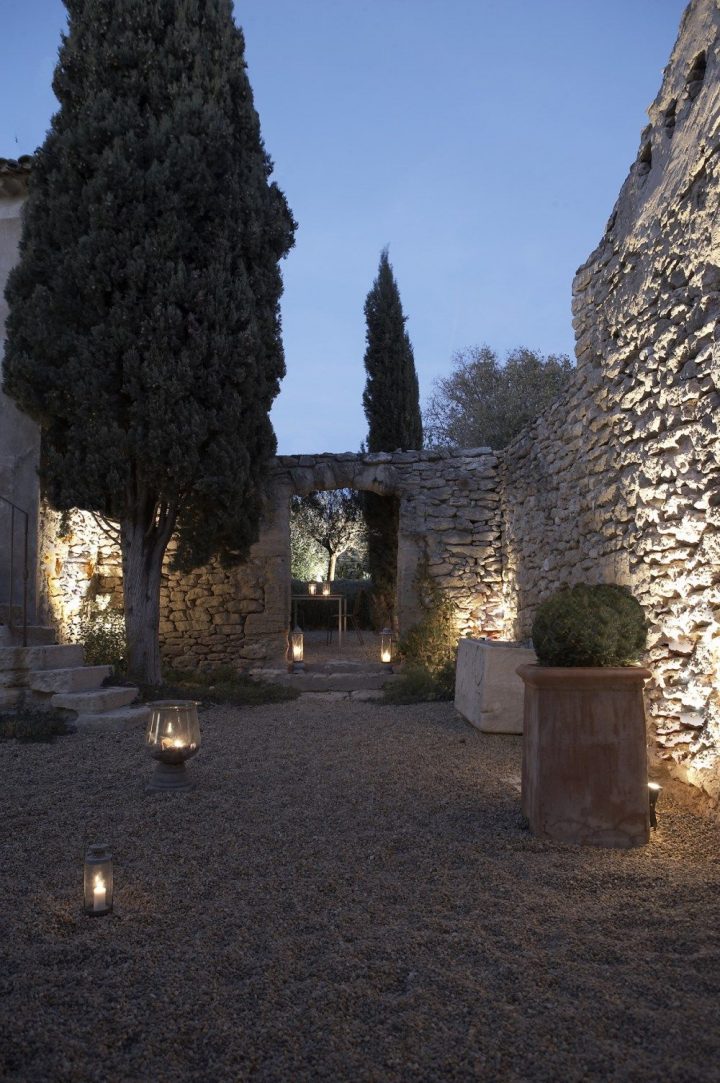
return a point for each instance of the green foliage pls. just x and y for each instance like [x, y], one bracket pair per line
[391, 401]
[417, 685]
[391, 398]
[382, 515]
[484, 403]
[329, 523]
[600, 625]
[28, 724]
[428, 651]
[102, 634]
[220, 685]
[144, 325]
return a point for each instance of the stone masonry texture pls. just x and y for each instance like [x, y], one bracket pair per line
[620, 479]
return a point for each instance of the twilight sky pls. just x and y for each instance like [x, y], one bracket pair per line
[484, 141]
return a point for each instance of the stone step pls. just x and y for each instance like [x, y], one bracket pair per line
[96, 702]
[76, 679]
[318, 680]
[116, 721]
[53, 656]
[37, 635]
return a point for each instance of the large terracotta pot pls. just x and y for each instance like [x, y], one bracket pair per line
[584, 771]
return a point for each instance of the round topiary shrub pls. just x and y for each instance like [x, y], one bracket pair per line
[600, 625]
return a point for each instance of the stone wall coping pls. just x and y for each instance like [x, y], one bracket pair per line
[399, 458]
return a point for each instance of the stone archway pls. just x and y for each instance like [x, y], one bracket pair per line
[449, 520]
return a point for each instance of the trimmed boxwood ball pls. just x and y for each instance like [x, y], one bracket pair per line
[599, 625]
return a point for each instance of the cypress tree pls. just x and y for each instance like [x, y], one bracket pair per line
[391, 398]
[392, 407]
[144, 326]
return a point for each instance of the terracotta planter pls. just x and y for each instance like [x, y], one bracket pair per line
[584, 772]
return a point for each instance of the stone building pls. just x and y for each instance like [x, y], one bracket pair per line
[619, 480]
[19, 439]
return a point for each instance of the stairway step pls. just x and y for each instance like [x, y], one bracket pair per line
[116, 721]
[52, 656]
[75, 679]
[38, 635]
[96, 702]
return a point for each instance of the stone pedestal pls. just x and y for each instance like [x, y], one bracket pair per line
[488, 691]
[584, 772]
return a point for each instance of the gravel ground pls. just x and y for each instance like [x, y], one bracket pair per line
[348, 894]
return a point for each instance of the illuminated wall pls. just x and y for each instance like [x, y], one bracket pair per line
[620, 479]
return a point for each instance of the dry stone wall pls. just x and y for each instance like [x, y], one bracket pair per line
[449, 523]
[620, 479]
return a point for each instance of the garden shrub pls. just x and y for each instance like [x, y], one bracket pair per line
[102, 634]
[429, 649]
[584, 625]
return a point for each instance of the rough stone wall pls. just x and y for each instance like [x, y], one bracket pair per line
[449, 521]
[620, 479]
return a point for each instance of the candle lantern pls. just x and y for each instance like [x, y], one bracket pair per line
[297, 649]
[312, 588]
[98, 880]
[387, 647]
[326, 588]
[173, 736]
[653, 793]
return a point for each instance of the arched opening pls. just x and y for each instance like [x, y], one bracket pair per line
[334, 599]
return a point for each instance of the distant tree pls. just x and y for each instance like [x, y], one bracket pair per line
[485, 403]
[392, 407]
[144, 326]
[333, 521]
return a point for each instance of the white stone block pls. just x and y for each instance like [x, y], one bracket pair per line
[488, 691]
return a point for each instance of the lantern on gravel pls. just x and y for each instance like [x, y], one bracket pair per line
[297, 649]
[98, 880]
[172, 737]
[654, 789]
[387, 647]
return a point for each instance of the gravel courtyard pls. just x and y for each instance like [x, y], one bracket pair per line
[348, 894]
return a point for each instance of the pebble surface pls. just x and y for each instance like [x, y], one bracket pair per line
[348, 893]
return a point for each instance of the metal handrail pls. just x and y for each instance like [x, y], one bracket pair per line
[14, 509]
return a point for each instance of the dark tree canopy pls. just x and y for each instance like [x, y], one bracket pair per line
[144, 329]
[485, 403]
[144, 326]
[391, 398]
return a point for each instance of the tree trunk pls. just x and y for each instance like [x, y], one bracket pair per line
[331, 566]
[142, 559]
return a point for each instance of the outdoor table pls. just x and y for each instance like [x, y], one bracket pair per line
[338, 598]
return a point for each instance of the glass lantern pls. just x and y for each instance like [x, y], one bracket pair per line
[387, 647]
[172, 738]
[654, 789]
[297, 649]
[326, 589]
[98, 880]
[312, 588]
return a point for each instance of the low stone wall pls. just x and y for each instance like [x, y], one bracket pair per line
[449, 525]
[620, 479]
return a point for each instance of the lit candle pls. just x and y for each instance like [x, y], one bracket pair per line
[326, 589]
[172, 742]
[99, 893]
[386, 655]
[312, 588]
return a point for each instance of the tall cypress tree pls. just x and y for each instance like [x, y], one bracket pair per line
[391, 398]
[144, 326]
[392, 407]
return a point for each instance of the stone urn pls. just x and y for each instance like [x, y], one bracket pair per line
[584, 767]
